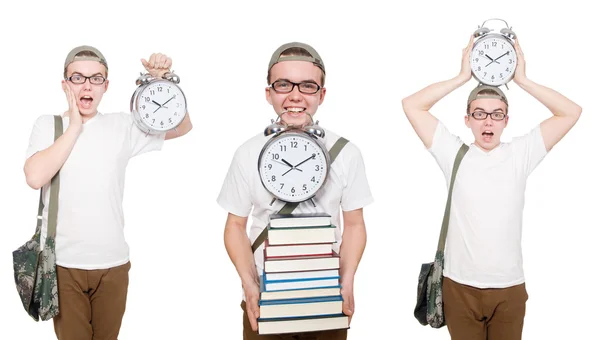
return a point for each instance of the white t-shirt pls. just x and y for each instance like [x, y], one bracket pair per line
[242, 189]
[483, 247]
[89, 232]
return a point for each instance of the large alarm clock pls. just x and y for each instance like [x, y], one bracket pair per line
[294, 164]
[158, 104]
[493, 58]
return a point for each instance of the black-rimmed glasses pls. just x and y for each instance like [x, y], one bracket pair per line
[286, 86]
[77, 78]
[482, 115]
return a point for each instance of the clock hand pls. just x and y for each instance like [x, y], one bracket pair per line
[168, 100]
[492, 60]
[287, 163]
[306, 160]
[159, 106]
[501, 56]
[287, 172]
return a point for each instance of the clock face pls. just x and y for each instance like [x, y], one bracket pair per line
[293, 167]
[161, 105]
[493, 60]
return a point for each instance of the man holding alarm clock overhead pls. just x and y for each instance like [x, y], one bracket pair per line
[296, 76]
[92, 256]
[483, 287]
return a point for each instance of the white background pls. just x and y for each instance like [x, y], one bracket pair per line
[183, 284]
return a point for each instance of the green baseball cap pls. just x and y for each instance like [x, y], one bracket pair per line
[476, 91]
[72, 56]
[314, 56]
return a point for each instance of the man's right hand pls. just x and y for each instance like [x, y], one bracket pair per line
[252, 293]
[75, 118]
[465, 68]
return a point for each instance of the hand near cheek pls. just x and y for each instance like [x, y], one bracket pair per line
[157, 65]
[75, 118]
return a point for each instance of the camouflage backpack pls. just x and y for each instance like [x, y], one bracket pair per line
[429, 309]
[35, 270]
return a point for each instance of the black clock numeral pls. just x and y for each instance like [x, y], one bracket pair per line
[283, 147]
[317, 167]
[305, 147]
[507, 70]
[486, 46]
[147, 99]
[275, 156]
[178, 104]
[479, 68]
[494, 44]
[510, 61]
[304, 187]
[170, 120]
[143, 107]
[168, 90]
[147, 115]
[152, 92]
[484, 74]
[501, 76]
[293, 190]
[493, 77]
[481, 52]
[294, 144]
[162, 123]
[476, 60]
[281, 185]
[270, 166]
[153, 120]
[312, 179]
[159, 89]
[273, 178]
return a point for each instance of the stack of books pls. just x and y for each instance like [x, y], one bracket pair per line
[300, 286]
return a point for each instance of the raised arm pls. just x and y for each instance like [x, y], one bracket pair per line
[417, 106]
[565, 112]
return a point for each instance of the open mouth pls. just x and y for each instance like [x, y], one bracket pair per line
[86, 102]
[487, 135]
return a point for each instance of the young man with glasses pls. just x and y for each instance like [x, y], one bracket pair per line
[92, 255]
[483, 288]
[296, 78]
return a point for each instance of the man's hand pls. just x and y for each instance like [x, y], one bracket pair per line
[157, 65]
[252, 293]
[465, 68]
[347, 292]
[519, 76]
[75, 118]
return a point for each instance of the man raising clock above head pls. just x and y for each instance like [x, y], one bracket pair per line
[483, 287]
[296, 80]
[92, 256]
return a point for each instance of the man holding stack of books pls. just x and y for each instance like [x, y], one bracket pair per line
[303, 287]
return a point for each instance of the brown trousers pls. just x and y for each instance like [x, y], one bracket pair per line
[91, 302]
[249, 334]
[479, 314]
